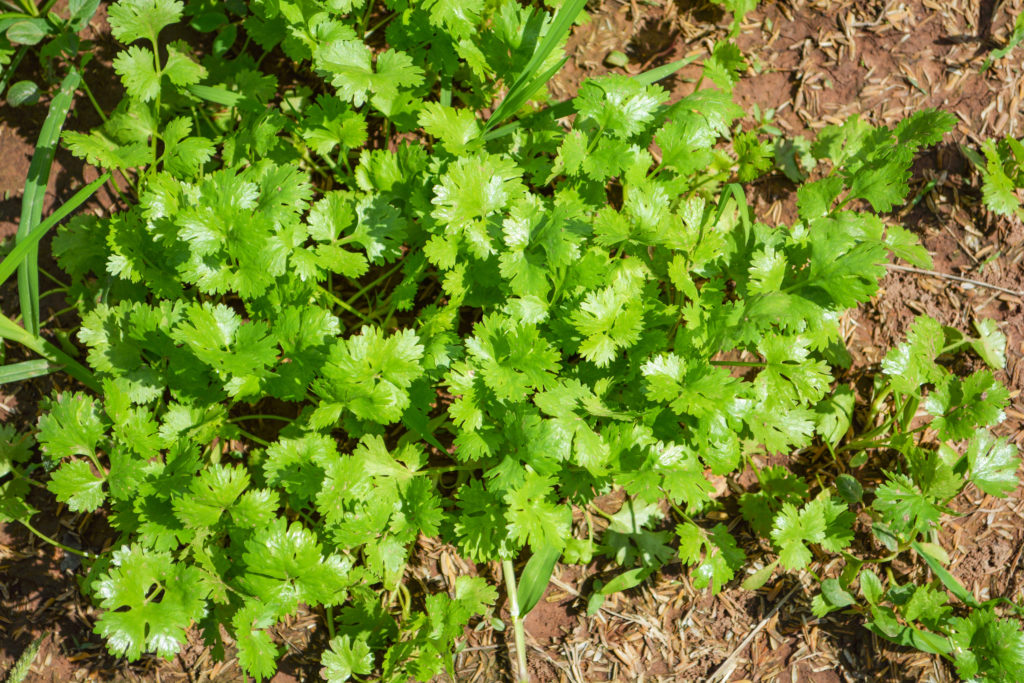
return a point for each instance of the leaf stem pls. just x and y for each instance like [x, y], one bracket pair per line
[253, 437]
[517, 623]
[95, 105]
[378, 280]
[329, 618]
[740, 363]
[344, 304]
[243, 418]
[56, 543]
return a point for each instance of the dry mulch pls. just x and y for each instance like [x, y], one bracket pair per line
[815, 62]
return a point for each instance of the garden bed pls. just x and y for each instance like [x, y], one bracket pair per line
[814, 63]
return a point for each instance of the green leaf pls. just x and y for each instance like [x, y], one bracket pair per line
[760, 577]
[912, 363]
[715, 553]
[28, 369]
[75, 483]
[959, 406]
[257, 652]
[22, 93]
[947, 579]
[346, 656]
[991, 343]
[993, 463]
[535, 577]
[27, 31]
[792, 530]
[132, 20]
[988, 645]
[871, 586]
[533, 518]
[850, 489]
[455, 128]
[72, 426]
[618, 105]
[833, 597]
[725, 65]
[180, 68]
[904, 506]
[138, 72]
[905, 245]
[149, 601]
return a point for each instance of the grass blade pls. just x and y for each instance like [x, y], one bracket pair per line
[947, 579]
[528, 82]
[16, 333]
[29, 369]
[658, 73]
[26, 245]
[35, 193]
[536, 576]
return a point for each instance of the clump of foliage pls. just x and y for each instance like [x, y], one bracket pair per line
[332, 318]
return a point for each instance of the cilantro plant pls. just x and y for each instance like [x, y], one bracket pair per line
[1001, 165]
[407, 298]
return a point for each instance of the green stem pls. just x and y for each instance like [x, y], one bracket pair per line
[96, 463]
[156, 104]
[606, 515]
[740, 363]
[344, 304]
[21, 475]
[253, 437]
[56, 543]
[95, 104]
[595, 140]
[373, 29]
[517, 622]
[380, 278]
[441, 469]
[329, 617]
[243, 418]
[365, 18]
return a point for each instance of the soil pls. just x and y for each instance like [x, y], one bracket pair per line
[814, 62]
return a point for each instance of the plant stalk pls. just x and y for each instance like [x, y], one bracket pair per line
[517, 622]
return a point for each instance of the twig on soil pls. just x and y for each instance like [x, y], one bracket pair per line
[726, 668]
[957, 278]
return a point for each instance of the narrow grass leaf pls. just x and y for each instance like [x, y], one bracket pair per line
[947, 579]
[17, 372]
[528, 82]
[35, 193]
[16, 333]
[25, 246]
[535, 577]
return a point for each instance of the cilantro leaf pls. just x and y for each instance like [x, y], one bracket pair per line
[346, 656]
[75, 483]
[993, 463]
[619, 106]
[149, 602]
[960, 405]
[912, 363]
[72, 426]
[132, 20]
[532, 518]
[988, 645]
